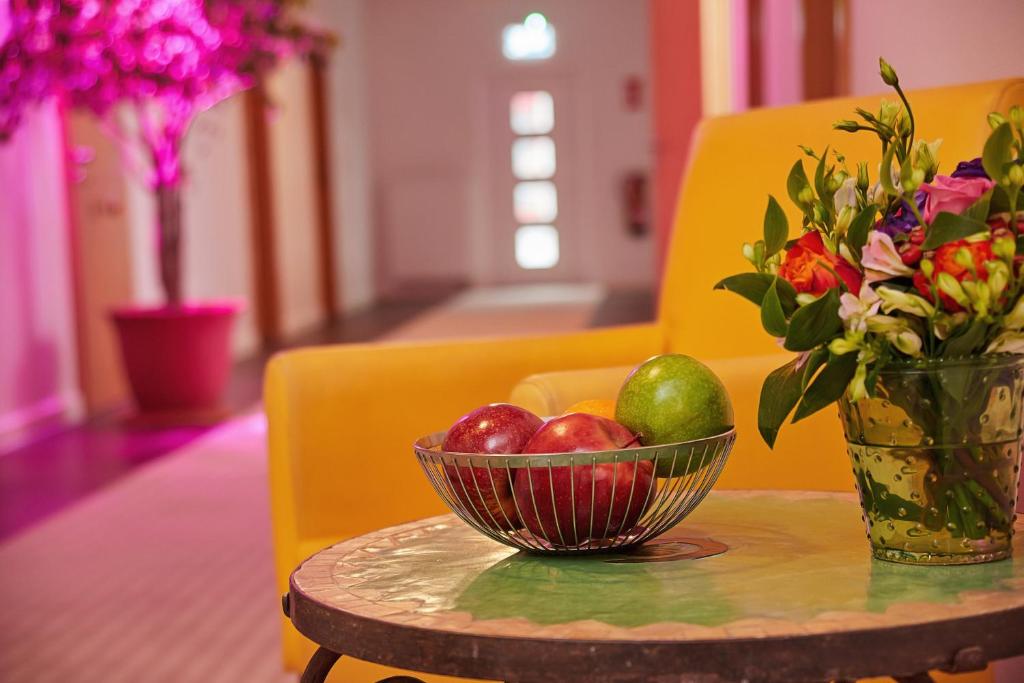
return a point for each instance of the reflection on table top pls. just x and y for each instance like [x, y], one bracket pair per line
[797, 563]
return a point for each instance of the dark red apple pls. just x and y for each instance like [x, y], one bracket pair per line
[582, 493]
[497, 428]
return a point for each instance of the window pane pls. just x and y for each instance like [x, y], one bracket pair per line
[535, 202]
[533, 158]
[537, 246]
[532, 112]
[532, 39]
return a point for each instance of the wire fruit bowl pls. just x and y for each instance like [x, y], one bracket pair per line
[571, 503]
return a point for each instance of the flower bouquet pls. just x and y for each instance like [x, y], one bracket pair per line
[903, 301]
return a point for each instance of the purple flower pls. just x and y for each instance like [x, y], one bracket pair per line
[902, 220]
[969, 169]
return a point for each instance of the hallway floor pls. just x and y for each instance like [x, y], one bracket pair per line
[54, 472]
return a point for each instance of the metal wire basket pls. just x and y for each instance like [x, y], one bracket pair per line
[570, 503]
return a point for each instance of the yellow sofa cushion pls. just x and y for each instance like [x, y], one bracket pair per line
[808, 455]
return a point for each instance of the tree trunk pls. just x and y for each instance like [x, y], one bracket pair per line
[168, 207]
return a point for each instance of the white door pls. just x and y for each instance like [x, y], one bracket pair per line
[531, 179]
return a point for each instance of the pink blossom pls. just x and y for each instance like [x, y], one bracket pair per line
[168, 60]
[881, 260]
[954, 195]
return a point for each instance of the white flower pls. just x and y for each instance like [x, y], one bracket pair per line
[881, 261]
[854, 310]
[876, 195]
[1014, 320]
[897, 332]
[895, 300]
[1007, 342]
[846, 195]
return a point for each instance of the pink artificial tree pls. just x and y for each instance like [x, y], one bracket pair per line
[165, 61]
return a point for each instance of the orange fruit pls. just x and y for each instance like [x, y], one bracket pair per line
[601, 407]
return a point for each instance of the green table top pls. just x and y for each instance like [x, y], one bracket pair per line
[796, 563]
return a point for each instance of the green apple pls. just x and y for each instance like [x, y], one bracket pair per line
[672, 398]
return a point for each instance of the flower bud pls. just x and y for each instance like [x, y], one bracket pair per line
[908, 342]
[841, 345]
[857, 388]
[1016, 175]
[748, 251]
[952, 288]
[819, 213]
[927, 267]
[914, 181]
[847, 125]
[862, 177]
[806, 195]
[963, 258]
[979, 294]
[843, 220]
[885, 324]
[1017, 115]
[887, 72]
[995, 119]
[1005, 247]
[888, 112]
[998, 277]
[903, 126]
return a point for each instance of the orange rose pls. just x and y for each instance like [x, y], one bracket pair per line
[945, 262]
[812, 268]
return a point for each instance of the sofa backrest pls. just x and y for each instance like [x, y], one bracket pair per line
[736, 161]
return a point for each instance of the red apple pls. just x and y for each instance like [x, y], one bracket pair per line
[587, 488]
[497, 428]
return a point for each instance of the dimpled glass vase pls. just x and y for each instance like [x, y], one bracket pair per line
[936, 456]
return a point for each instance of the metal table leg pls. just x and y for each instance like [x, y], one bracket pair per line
[319, 666]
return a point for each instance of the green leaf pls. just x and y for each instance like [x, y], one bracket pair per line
[815, 323]
[1000, 200]
[796, 181]
[997, 151]
[819, 176]
[979, 210]
[885, 171]
[814, 361]
[753, 287]
[964, 343]
[772, 318]
[857, 233]
[776, 227]
[787, 296]
[779, 393]
[828, 386]
[949, 227]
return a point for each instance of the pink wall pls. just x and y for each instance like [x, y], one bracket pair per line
[38, 374]
[434, 70]
[935, 42]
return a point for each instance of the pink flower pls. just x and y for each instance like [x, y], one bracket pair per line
[952, 194]
[881, 259]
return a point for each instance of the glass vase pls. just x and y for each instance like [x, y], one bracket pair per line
[936, 455]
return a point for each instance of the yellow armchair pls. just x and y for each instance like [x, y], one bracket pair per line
[341, 419]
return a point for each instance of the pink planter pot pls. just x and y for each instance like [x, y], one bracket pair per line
[177, 359]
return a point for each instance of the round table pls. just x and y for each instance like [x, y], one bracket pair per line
[756, 586]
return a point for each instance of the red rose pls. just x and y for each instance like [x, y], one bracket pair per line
[945, 262]
[812, 268]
